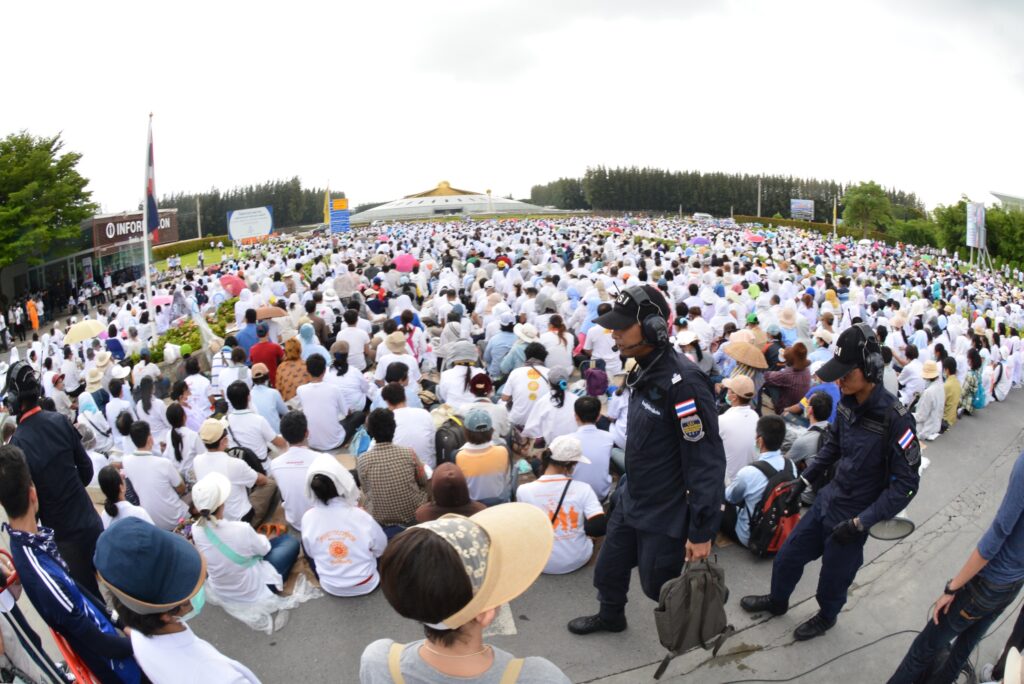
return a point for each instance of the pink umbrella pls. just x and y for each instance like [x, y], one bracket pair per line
[842, 247]
[405, 262]
[382, 238]
[232, 284]
[162, 300]
[753, 237]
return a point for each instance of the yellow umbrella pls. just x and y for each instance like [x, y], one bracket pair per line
[83, 330]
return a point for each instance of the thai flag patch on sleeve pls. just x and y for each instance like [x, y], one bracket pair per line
[906, 439]
[686, 408]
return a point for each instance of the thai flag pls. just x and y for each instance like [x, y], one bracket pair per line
[686, 408]
[152, 213]
[906, 439]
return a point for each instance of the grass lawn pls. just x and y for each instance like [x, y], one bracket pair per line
[190, 260]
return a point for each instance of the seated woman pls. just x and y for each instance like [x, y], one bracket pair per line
[244, 566]
[342, 542]
[571, 505]
[553, 415]
[789, 385]
[486, 465]
[116, 506]
[452, 575]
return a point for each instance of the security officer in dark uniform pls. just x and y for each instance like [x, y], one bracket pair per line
[667, 506]
[873, 443]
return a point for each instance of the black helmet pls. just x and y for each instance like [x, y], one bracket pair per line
[22, 385]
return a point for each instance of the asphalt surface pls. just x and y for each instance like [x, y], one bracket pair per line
[960, 492]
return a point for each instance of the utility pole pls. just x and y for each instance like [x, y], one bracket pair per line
[835, 208]
[199, 219]
[758, 196]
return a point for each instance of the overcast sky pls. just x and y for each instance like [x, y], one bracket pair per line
[386, 99]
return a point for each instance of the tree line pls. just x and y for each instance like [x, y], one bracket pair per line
[293, 205]
[719, 194]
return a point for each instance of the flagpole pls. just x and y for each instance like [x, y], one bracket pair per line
[145, 217]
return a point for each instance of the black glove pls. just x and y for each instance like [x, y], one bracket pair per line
[795, 490]
[846, 532]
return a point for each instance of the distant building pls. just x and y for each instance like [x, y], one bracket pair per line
[1009, 202]
[444, 200]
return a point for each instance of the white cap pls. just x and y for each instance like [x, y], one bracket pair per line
[567, 449]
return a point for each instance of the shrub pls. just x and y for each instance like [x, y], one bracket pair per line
[186, 246]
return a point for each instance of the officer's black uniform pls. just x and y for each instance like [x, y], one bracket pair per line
[674, 482]
[874, 446]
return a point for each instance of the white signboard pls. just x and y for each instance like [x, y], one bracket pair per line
[246, 224]
[976, 224]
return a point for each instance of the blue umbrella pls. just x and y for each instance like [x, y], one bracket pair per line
[700, 241]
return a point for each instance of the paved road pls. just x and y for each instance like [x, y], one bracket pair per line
[960, 492]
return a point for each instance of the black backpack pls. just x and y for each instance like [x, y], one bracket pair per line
[771, 522]
[448, 439]
[245, 454]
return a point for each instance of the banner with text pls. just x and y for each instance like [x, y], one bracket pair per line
[801, 209]
[250, 225]
[976, 225]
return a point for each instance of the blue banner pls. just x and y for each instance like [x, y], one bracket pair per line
[339, 221]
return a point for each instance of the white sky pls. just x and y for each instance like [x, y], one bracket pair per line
[385, 99]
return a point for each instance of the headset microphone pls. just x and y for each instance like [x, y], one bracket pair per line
[630, 347]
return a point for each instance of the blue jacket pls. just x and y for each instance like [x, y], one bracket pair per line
[66, 609]
[675, 461]
[860, 487]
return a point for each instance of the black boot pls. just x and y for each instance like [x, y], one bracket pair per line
[814, 627]
[762, 604]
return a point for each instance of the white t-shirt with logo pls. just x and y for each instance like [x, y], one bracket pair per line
[414, 428]
[344, 542]
[289, 471]
[526, 385]
[572, 547]
[154, 480]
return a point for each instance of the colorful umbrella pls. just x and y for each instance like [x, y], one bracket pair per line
[753, 237]
[405, 262]
[700, 241]
[232, 284]
[83, 330]
[161, 300]
[842, 247]
[265, 312]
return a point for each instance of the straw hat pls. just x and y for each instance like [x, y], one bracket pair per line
[787, 318]
[93, 380]
[120, 372]
[930, 370]
[504, 549]
[526, 332]
[396, 344]
[747, 354]
[103, 360]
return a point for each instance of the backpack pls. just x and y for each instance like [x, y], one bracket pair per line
[360, 443]
[771, 522]
[246, 454]
[691, 611]
[448, 439]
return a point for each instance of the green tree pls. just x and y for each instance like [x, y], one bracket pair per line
[867, 206]
[43, 199]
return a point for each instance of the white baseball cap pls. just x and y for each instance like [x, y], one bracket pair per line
[567, 449]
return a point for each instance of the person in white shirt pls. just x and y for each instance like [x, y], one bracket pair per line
[597, 446]
[236, 370]
[738, 426]
[156, 481]
[414, 428]
[911, 382]
[246, 427]
[325, 407]
[571, 505]
[132, 564]
[152, 411]
[183, 444]
[198, 405]
[600, 345]
[214, 437]
[453, 385]
[526, 384]
[244, 566]
[353, 384]
[559, 342]
[117, 404]
[357, 340]
[397, 350]
[289, 469]
[115, 507]
[929, 409]
[553, 415]
[482, 389]
[342, 542]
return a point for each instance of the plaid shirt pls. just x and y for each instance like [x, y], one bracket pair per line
[393, 482]
[794, 385]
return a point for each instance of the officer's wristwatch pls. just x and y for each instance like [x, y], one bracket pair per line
[947, 591]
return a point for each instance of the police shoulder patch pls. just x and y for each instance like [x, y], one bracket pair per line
[692, 427]
[911, 447]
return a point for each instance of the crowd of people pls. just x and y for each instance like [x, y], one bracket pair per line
[405, 397]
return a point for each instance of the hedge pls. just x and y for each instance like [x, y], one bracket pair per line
[186, 246]
[823, 228]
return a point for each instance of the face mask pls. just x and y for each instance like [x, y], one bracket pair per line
[197, 601]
